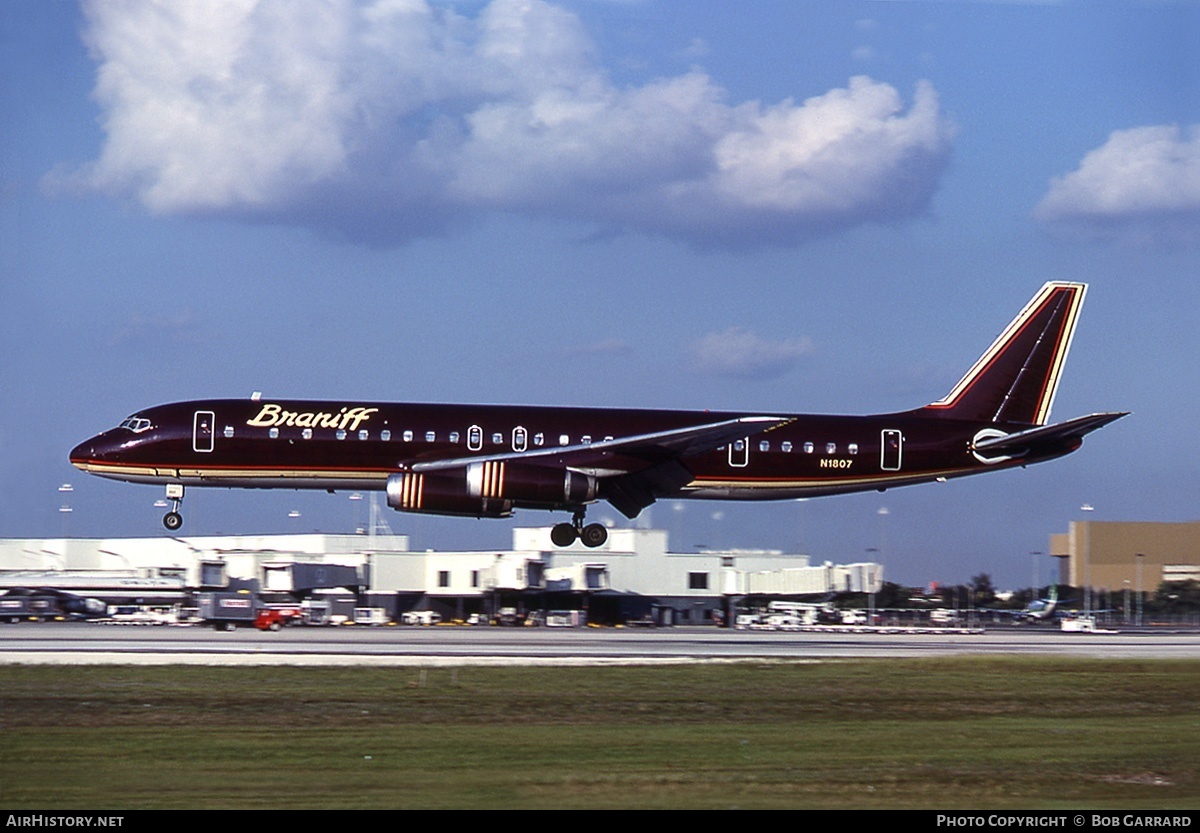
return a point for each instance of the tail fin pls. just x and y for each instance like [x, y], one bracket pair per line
[1016, 378]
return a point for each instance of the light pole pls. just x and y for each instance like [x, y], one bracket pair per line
[800, 501]
[871, 590]
[65, 510]
[882, 513]
[1033, 557]
[677, 527]
[1087, 565]
[355, 502]
[1139, 556]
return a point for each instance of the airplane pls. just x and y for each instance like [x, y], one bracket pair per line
[487, 460]
[1041, 610]
[1038, 610]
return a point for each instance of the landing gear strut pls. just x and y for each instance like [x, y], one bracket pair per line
[565, 534]
[173, 520]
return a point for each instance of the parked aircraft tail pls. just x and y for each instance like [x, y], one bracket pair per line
[1016, 378]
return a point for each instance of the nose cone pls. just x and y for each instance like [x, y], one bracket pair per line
[81, 454]
[88, 452]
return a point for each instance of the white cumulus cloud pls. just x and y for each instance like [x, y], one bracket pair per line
[383, 120]
[743, 354]
[1145, 180]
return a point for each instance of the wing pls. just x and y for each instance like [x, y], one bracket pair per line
[634, 470]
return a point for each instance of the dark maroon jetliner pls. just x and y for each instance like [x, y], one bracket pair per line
[485, 460]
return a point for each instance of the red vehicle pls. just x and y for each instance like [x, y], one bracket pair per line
[274, 618]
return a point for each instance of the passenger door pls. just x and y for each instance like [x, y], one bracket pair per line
[203, 431]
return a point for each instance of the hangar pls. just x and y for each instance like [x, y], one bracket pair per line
[1114, 555]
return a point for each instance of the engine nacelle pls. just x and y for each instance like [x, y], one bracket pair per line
[442, 493]
[489, 489]
[532, 487]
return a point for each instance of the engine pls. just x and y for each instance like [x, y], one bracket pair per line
[489, 490]
[441, 494]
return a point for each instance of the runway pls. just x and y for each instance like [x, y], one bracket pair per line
[82, 643]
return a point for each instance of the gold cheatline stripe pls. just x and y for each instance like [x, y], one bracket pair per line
[753, 483]
[150, 471]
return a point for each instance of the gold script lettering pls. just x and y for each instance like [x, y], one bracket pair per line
[271, 416]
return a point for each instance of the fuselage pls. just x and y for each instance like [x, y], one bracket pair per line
[359, 445]
[485, 460]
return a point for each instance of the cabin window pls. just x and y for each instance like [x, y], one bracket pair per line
[786, 445]
[474, 438]
[808, 448]
[362, 434]
[306, 433]
[586, 439]
[852, 448]
[608, 438]
[341, 433]
[274, 433]
[228, 432]
[520, 438]
[497, 438]
[385, 435]
[831, 448]
[764, 445]
[431, 436]
[563, 439]
[539, 439]
[408, 436]
[454, 437]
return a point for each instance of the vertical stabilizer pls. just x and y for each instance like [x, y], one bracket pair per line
[1016, 378]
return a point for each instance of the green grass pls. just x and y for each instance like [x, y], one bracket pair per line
[956, 733]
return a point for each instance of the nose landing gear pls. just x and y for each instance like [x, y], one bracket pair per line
[565, 534]
[173, 520]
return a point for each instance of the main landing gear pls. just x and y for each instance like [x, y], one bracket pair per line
[565, 534]
[173, 520]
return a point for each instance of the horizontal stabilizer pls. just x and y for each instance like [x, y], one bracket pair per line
[1062, 433]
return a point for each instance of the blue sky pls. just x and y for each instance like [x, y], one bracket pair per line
[763, 206]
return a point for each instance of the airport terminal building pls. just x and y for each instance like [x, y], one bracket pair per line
[633, 577]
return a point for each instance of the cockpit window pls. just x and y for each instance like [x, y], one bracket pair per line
[136, 424]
